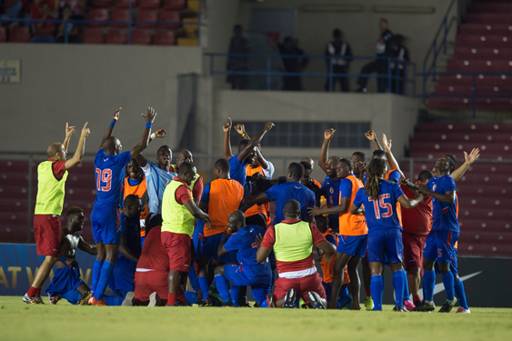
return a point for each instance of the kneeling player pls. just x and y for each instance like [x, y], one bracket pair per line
[292, 241]
[248, 272]
[66, 282]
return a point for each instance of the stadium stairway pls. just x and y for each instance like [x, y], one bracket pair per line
[484, 193]
[480, 70]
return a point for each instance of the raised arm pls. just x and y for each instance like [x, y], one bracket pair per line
[240, 129]
[409, 203]
[324, 150]
[111, 126]
[371, 136]
[252, 200]
[393, 164]
[80, 148]
[447, 197]
[342, 208]
[469, 159]
[149, 116]
[86, 247]
[226, 128]
[261, 159]
[69, 130]
[158, 134]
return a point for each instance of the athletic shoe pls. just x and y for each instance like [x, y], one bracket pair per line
[426, 306]
[290, 300]
[447, 306]
[315, 301]
[400, 310]
[409, 305]
[53, 299]
[128, 299]
[152, 299]
[32, 300]
[93, 301]
[85, 299]
[462, 310]
[368, 303]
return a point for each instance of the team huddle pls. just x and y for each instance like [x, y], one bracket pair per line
[165, 236]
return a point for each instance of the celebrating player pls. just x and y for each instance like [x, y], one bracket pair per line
[51, 187]
[331, 183]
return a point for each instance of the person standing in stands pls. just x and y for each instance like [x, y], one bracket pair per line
[399, 55]
[380, 64]
[238, 60]
[338, 55]
[294, 61]
[51, 187]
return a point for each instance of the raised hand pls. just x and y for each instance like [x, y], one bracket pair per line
[85, 130]
[269, 126]
[329, 133]
[227, 125]
[370, 135]
[472, 156]
[150, 114]
[160, 133]
[117, 112]
[386, 144]
[69, 130]
[240, 129]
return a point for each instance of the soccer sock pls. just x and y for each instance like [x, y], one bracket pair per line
[234, 292]
[96, 270]
[449, 284]
[106, 271]
[260, 296]
[377, 288]
[222, 287]
[344, 298]
[203, 285]
[171, 299]
[398, 284]
[429, 281]
[407, 294]
[460, 293]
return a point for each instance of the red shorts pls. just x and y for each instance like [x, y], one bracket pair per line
[302, 285]
[150, 281]
[47, 233]
[413, 250]
[179, 250]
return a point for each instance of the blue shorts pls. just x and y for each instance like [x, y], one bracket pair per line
[65, 282]
[259, 276]
[440, 246]
[352, 245]
[197, 238]
[209, 249]
[105, 225]
[385, 246]
[123, 275]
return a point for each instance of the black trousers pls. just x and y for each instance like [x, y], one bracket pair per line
[292, 83]
[380, 68]
[334, 77]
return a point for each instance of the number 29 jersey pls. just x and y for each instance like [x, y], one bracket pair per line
[381, 213]
[109, 170]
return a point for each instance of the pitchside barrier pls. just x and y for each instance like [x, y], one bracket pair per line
[487, 280]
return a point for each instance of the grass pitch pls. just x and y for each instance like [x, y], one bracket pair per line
[19, 321]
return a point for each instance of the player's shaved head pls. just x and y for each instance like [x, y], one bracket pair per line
[379, 154]
[187, 172]
[295, 171]
[112, 145]
[236, 220]
[184, 155]
[343, 168]
[221, 167]
[132, 206]
[56, 151]
[292, 209]
[75, 218]
[164, 156]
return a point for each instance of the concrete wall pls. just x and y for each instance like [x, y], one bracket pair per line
[395, 115]
[82, 83]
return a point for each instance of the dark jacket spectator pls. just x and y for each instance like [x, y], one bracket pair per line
[238, 59]
[294, 61]
[338, 55]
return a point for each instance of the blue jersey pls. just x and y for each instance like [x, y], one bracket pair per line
[109, 170]
[380, 213]
[331, 191]
[237, 169]
[156, 180]
[244, 243]
[130, 233]
[444, 214]
[282, 193]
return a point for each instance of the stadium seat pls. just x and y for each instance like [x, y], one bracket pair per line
[3, 34]
[147, 18]
[125, 3]
[164, 38]
[169, 19]
[101, 3]
[149, 4]
[141, 37]
[19, 34]
[174, 5]
[120, 17]
[93, 35]
[116, 36]
[98, 16]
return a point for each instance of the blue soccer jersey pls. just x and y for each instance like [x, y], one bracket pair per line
[237, 170]
[282, 193]
[380, 213]
[109, 176]
[331, 191]
[444, 214]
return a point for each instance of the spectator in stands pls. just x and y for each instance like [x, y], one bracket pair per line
[238, 59]
[294, 61]
[67, 32]
[399, 55]
[380, 64]
[9, 10]
[338, 55]
[44, 32]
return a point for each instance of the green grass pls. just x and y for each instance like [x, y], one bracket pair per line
[19, 321]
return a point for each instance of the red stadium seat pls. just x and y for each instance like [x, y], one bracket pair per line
[169, 19]
[164, 38]
[120, 17]
[93, 35]
[147, 18]
[19, 34]
[116, 36]
[174, 5]
[101, 3]
[141, 37]
[125, 3]
[98, 16]
[149, 4]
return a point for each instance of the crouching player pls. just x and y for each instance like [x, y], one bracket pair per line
[379, 198]
[66, 282]
[292, 241]
[244, 241]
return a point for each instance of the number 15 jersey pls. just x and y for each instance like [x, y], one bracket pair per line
[380, 213]
[109, 170]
